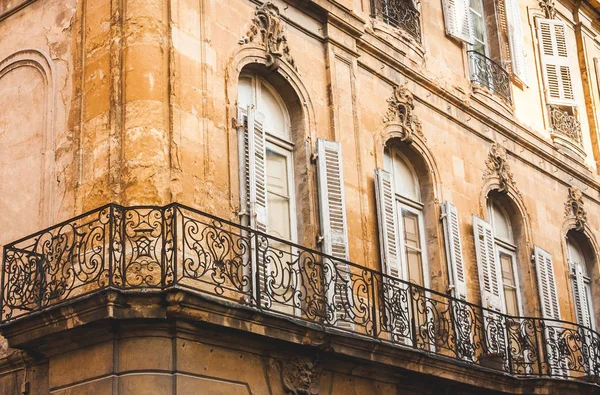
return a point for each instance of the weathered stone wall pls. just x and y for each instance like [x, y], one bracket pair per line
[134, 101]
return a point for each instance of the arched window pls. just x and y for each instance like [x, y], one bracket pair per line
[506, 253]
[268, 152]
[581, 282]
[407, 241]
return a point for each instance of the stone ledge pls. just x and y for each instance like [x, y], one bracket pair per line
[93, 319]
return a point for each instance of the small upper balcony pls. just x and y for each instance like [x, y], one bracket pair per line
[150, 250]
[401, 14]
[487, 74]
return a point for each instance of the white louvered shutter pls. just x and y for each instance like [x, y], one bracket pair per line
[457, 18]
[581, 299]
[550, 308]
[387, 220]
[489, 269]
[331, 199]
[456, 266]
[334, 228]
[257, 171]
[555, 56]
[516, 39]
[546, 284]
[243, 147]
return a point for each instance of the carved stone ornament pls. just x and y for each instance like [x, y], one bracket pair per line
[267, 29]
[574, 208]
[301, 376]
[497, 166]
[401, 109]
[548, 8]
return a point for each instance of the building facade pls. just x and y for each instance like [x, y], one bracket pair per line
[351, 196]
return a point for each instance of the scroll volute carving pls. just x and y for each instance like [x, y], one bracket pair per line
[497, 166]
[301, 376]
[574, 208]
[401, 106]
[267, 30]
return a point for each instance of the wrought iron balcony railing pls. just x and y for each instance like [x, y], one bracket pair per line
[565, 123]
[490, 75]
[401, 14]
[152, 249]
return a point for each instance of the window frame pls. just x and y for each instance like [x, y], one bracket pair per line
[506, 247]
[587, 281]
[413, 206]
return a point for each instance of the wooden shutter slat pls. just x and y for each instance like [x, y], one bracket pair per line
[546, 284]
[556, 61]
[457, 18]
[516, 40]
[456, 267]
[257, 166]
[581, 299]
[488, 266]
[387, 222]
[331, 199]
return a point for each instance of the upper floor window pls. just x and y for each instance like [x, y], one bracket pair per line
[556, 58]
[492, 29]
[401, 14]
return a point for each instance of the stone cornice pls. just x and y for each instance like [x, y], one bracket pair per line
[106, 314]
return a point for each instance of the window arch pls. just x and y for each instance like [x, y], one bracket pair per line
[580, 256]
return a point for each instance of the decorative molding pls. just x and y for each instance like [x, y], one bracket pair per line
[497, 166]
[267, 30]
[574, 208]
[548, 8]
[401, 107]
[300, 376]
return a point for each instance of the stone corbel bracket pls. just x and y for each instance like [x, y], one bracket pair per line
[575, 209]
[401, 106]
[268, 31]
[497, 166]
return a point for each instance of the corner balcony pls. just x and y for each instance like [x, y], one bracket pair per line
[149, 251]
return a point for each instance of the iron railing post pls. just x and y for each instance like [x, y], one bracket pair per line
[508, 344]
[256, 268]
[373, 307]
[109, 248]
[544, 350]
[413, 316]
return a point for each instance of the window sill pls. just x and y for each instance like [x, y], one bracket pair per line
[571, 148]
[490, 98]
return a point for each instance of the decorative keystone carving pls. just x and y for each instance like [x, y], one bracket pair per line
[497, 166]
[574, 208]
[267, 29]
[300, 376]
[548, 8]
[401, 107]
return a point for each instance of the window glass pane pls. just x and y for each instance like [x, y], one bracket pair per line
[405, 181]
[510, 295]
[274, 116]
[411, 229]
[502, 228]
[415, 268]
[278, 195]
[477, 6]
[245, 92]
[508, 276]
[576, 255]
[412, 244]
